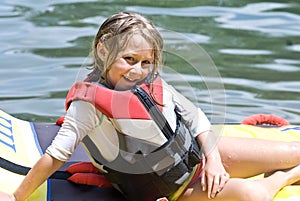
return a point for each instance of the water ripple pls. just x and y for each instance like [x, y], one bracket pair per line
[255, 17]
[255, 47]
[245, 52]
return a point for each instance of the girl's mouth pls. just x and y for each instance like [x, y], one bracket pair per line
[130, 79]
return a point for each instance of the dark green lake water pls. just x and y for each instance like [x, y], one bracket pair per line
[232, 58]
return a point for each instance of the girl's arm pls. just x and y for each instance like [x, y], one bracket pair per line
[40, 172]
[80, 119]
[214, 174]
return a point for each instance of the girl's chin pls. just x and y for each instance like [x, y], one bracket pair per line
[125, 84]
[123, 87]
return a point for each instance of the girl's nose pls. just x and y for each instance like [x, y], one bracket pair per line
[137, 68]
[135, 72]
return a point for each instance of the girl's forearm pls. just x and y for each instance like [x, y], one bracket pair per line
[208, 141]
[40, 172]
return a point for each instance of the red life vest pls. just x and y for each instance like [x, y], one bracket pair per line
[164, 168]
[108, 101]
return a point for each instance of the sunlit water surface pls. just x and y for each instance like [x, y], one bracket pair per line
[232, 58]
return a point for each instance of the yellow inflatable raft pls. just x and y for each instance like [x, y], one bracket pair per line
[284, 133]
[22, 143]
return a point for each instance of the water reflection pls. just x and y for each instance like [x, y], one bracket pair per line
[255, 47]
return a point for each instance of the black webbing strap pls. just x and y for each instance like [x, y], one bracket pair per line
[22, 170]
[194, 155]
[154, 112]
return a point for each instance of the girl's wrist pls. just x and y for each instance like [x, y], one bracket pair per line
[213, 155]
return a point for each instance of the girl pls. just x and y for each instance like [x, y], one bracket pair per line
[127, 52]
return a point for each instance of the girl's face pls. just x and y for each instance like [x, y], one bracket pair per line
[132, 65]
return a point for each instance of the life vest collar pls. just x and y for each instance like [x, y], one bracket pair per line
[112, 103]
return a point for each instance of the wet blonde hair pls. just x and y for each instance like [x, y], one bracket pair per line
[114, 34]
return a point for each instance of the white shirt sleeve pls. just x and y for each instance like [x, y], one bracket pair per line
[193, 117]
[81, 118]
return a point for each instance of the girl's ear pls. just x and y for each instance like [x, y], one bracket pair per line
[101, 51]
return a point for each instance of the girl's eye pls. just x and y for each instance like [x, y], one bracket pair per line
[146, 62]
[129, 59]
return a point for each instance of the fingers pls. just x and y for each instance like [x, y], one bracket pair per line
[210, 184]
[214, 185]
[223, 179]
[203, 182]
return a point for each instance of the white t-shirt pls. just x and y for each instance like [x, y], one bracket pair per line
[82, 119]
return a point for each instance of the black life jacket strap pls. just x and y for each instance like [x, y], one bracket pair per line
[154, 112]
[194, 156]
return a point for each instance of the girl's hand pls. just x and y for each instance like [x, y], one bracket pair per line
[214, 176]
[7, 197]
